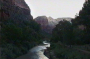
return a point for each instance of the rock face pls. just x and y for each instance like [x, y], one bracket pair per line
[15, 9]
[19, 12]
[64, 18]
[43, 21]
[48, 23]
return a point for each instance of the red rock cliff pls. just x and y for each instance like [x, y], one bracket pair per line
[14, 9]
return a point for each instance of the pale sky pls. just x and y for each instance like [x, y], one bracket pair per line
[55, 8]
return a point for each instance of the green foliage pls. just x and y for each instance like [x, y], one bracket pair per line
[76, 32]
[73, 52]
[74, 35]
[20, 37]
[78, 36]
[83, 19]
[62, 32]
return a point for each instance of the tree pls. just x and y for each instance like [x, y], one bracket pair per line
[21, 37]
[62, 32]
[84, 19]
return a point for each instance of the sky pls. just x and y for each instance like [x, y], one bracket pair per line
[55, 8]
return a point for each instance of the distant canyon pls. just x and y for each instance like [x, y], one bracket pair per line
[48, 23]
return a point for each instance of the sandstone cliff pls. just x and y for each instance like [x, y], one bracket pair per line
[43, 21]
[13, 15]
[48, 23]
[15, 9]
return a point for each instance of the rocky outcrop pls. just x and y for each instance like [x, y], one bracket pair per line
[51, 21]
[64, 18]
[14, 15]
[43, 21]
[48, 23]
[15, 10]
